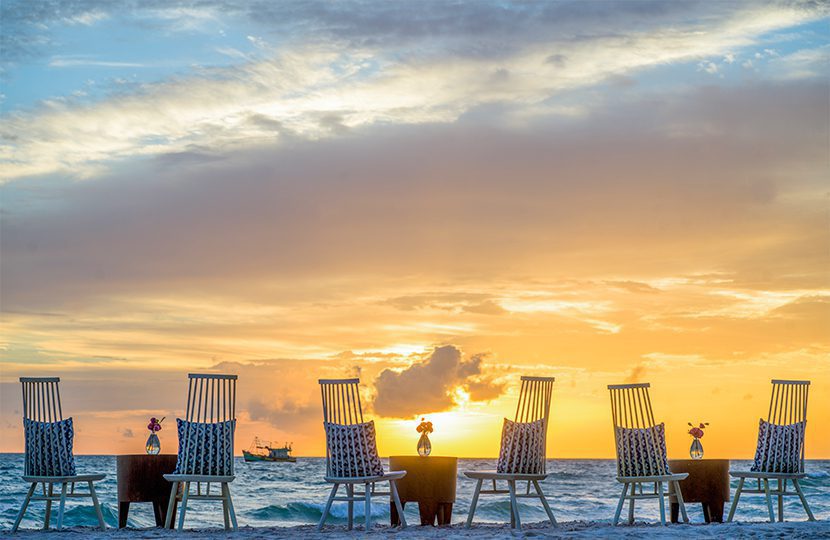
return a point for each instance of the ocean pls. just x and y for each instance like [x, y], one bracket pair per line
[287, 494]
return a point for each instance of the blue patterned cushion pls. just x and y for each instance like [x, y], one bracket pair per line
[205, 448]
[353, 450]
[642, 452]
[522, 447]
[49, 448]
[779, 447]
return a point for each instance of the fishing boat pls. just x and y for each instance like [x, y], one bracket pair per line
[265, 451]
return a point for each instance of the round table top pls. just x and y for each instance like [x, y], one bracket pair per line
[144, 455]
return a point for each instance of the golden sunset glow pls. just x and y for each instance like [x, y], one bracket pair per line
[437, 213]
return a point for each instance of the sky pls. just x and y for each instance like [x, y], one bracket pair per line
[436, 197]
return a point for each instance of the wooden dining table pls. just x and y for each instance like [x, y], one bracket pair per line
[140, 479]
[429, 481]
[707, 484]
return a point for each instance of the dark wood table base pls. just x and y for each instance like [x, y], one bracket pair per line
[712, 511]
[159, 511]
[431, 512]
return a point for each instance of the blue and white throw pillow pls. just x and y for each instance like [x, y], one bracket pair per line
[522, 447]
[353, 450]
[779, 447]
[642, 451]
[205, 448]
[49, 448]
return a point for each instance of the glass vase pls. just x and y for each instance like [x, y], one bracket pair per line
[424, 446]
[153, 445]
[696, 450]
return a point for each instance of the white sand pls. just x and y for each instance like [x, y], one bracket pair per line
[573, 529]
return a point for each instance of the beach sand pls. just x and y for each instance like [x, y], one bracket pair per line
[573, 529]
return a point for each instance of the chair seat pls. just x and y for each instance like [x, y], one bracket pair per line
[761, 474]
[61, 479]
[495, 475]
[198, 478]
[391, 475]
[657, 478]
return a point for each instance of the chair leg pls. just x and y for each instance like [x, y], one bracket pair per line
[97, 506]
[511, 486]
[174, 492]
[225, 516]
[680, 501]
[735, 500]
[474, 503]
[769, 500]
[183, 509]
[393, 489]
[62, 505]
[781, 486]
[631, 504]
[328, 506]
[620, 504]
[662, 501]
[350, 495]
[801, 496]
[226, 492]
[544, 502]
[23, 506]
[368, 510]
[48, 505]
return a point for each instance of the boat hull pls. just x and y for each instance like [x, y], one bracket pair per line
[255, 457]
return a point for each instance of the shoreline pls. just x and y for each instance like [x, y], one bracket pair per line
[572, 529]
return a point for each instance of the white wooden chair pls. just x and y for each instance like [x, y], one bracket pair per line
[211, 399]
[42, 403]
[341, 405]
[787, 405]
[631, 410]
[534, 405]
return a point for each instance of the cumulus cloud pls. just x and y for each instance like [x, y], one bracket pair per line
[428, 385]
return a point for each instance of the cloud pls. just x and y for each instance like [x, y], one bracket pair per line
[429, 385]
[278, 211]
[127, 433]
[636, 374]
[287, 415]
[366, 75]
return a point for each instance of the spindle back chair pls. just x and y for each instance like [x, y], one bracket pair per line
[635, 431]
[342, 407]
[206, 443]
[532, 406]
[42, 405]
[787, 410]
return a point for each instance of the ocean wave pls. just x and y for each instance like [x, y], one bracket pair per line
[310, 512]
[818, 474]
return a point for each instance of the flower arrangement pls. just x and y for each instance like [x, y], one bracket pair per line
[155, 424]
[424, 427]
[697, 431]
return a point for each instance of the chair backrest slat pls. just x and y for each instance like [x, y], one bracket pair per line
[631, 409]
[341, 405]
[207, 404]
[534, 404]
[42, 403]
[788, 405]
